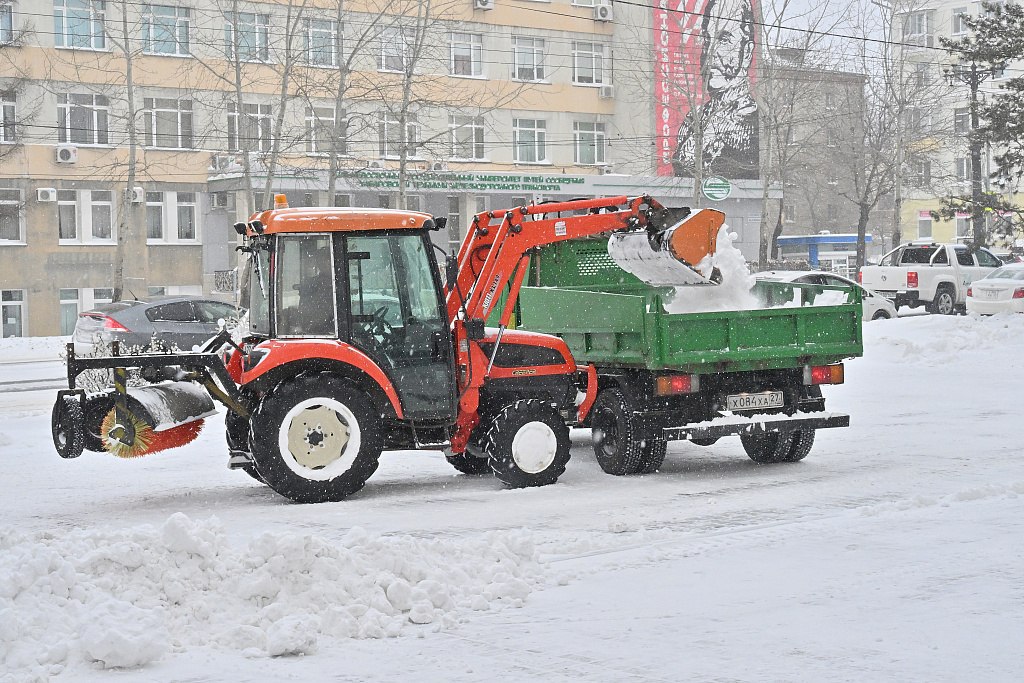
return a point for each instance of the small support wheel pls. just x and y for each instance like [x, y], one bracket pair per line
[768, 449]
[617, 434]
[94, 410]
[67, 425]
[527, 444]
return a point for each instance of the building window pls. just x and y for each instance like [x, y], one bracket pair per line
[392, 141]
[832, 178]
[6, 21]
[920, 173]
[588, 142]
[583, 3]
[467, 54]
[10, 215]
[8, 116]
[924, 225]
[959, 25]
[79, 23]
[789, 213]
[587, 63]
[414, 202]
[394, 49]
[963, 229]
[963, 169]
[527, 59]
[68, 311]
[167, 123]
[454, 224]
[961, 121]
[915, 29]
[250, 32]
[830, 101]
[383, 201]
[323, 134]
[253, 130]
[922, 74]
[82, 119]
[165, 29]
[85, 216]
[12, 312]
[831, 138]
[467, 134]
[321, 36]
[529, 141]
[342, 199]
[171, 217]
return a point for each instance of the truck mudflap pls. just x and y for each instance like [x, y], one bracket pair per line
[731, 425]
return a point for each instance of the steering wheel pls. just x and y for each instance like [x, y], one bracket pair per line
[379, 326]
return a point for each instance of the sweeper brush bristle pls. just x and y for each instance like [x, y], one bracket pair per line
[147, 440]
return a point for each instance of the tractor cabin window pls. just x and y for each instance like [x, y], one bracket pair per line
[305, 287]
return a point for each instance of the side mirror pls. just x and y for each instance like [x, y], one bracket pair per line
[240, 228]
[451, 270]
[440, 223]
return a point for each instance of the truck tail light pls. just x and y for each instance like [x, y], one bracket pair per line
[669, 385]
[912, 279]
[860, 278]
[1018, 293]
[970, 291]
[824, 374]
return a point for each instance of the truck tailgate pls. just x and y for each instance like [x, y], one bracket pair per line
[884, 278]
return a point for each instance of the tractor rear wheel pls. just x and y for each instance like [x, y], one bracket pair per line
[468, 463]
[315, 438]
[617, 437]
[767, 449]
[527, 444]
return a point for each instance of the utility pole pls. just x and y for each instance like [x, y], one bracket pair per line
[973, 76]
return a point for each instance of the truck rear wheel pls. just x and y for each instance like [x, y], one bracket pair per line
[653, 454]
[617, 434]
[527, 444]
[315, 439]
[945, 301]
[801, 446]
[767, 449]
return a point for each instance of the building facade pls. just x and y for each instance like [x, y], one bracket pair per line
[135, 134]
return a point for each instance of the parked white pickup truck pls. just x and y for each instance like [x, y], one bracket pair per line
[927, 274]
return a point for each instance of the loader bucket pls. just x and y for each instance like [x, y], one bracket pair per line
[674, 256]
[161, 416]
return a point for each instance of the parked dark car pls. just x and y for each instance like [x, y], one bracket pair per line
[175, 321]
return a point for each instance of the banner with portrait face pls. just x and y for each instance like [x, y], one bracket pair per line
[705, 67]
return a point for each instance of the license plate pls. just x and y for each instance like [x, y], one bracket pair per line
[990, 294]
[764, 399]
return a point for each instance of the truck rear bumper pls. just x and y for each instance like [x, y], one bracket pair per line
[911, 298]
[759, 424]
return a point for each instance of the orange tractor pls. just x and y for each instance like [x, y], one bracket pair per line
[355, 346]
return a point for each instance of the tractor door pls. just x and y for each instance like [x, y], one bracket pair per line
[396, 315]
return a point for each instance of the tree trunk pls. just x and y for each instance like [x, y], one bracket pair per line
[125, 206]
[864, 212]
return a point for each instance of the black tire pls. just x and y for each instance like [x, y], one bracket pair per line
[767, 449]
[315, 438]
[468, 463]
[801, 446]
[93, 411]
[618, 434]
[67, 426]
[653, 454]
[945, 301]
[520, 433]
[881, 315]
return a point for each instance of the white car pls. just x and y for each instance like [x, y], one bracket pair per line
[1001, 291]
[876, 306]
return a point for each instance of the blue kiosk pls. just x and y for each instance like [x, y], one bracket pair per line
[824, 251]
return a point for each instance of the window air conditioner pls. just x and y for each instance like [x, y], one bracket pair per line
[603, 10]
[607, 92]
[438, 166]
[46, 194]
[138, 195]
[66, 154]
[375, 164]
[483, 4]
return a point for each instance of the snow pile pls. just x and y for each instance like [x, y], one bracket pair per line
[733, 294]
[34, 348]
[930, 338]
[124, 598]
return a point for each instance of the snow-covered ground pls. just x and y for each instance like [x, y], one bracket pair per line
[893, 553]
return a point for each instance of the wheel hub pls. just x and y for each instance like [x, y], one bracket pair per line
[317, 436]
[534, 447]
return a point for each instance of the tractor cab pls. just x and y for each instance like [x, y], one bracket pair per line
[360, 278]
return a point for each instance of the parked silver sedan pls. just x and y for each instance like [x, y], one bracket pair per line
[1001, 291]
[876, 306]
[173, 321]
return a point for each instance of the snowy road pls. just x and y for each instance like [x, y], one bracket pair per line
[893, 552]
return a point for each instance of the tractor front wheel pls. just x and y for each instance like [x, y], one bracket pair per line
[527, 444]
[315, 439]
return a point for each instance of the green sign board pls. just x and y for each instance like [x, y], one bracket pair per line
[716, 188]
[469, 182]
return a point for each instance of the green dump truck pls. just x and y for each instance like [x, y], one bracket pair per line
[696, 376]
